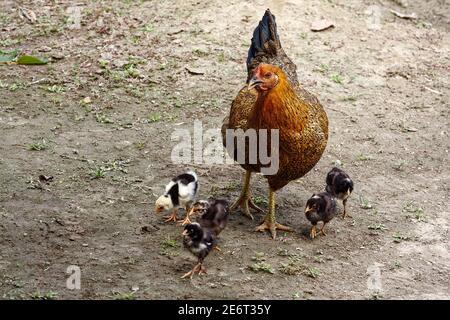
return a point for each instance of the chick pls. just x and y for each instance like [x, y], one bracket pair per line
[213, 214]
[180, 192]
[197, 209]
[199, 241]
[340, 185]
[320, 207]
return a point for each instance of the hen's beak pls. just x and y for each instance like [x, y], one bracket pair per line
[254, 81]
[185, 233]
[307, 209]
[158, 210]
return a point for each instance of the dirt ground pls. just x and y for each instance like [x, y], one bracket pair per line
[124, 74]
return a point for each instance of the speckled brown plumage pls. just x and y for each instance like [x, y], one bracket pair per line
[301, 119]
[274, 99]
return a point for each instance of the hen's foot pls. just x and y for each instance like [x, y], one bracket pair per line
[217, 248]
[245, 203]
[272, 227]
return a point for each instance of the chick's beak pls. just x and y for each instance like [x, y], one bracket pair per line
[185, 233]
[158, 210]
[254, 81]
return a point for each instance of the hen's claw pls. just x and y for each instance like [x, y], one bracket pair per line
[245, 200]
[272, 227]
[245, 203]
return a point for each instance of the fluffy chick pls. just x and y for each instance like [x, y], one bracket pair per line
[180, 192]
[340, 185]
[320, 207]
[199, 241]
[213, 214]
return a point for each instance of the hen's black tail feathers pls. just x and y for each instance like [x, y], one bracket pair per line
[266, 48]
[265, 38]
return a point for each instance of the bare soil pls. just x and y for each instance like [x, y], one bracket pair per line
[103, 110]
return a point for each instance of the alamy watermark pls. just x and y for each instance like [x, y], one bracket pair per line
[247, 147]
[74, 280]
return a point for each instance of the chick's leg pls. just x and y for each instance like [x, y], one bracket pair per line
[269, 221]
[172, 217]
[344, 202]
[322, 230]
[199, 268]
[245, 201]
[313, 232]
[188, 214]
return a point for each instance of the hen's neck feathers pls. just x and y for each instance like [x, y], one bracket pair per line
[280, 107]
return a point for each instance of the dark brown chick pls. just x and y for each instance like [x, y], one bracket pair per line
[340, 185]
[320, 207]
[214, 215]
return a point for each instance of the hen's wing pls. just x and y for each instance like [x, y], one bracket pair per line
[240, 112]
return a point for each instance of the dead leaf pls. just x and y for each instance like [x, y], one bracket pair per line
[174, 32]
[194, 71]
[321, 25]
[405, 16]
[74, 237]
[45, 49]
[86, 100]
[45, 179]
[28, 14]
[148, 229]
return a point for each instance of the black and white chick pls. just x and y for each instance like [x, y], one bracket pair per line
[213, 214]
[180, 192]
[199, 241]
[340, 185]
[320, 207]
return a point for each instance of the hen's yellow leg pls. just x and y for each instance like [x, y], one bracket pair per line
[269, 221]
[245, 201]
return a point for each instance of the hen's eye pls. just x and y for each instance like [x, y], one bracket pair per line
[268, 75]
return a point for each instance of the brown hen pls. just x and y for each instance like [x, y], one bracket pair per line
[274, 99]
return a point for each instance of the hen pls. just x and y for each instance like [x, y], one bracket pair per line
[274, 99]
